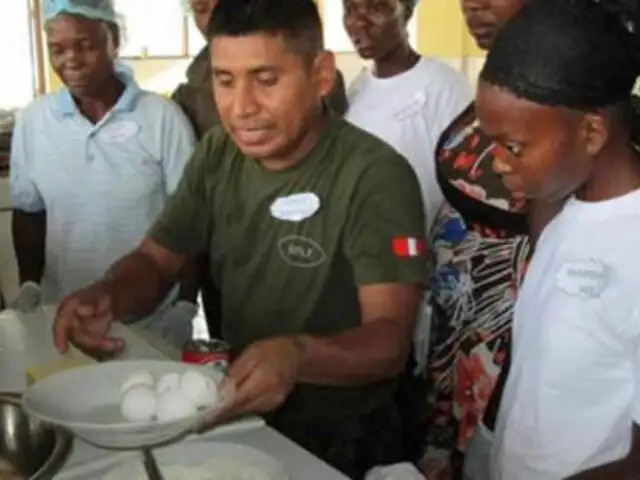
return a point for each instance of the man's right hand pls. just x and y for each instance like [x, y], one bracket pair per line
[84, 318]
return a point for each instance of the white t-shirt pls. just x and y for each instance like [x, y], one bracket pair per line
[573, 391]
[409, 111]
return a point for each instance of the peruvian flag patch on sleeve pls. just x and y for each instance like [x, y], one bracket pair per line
[405, 247]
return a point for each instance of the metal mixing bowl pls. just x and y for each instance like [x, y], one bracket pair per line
[38, 451]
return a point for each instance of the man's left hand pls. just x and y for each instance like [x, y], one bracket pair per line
[264, 375]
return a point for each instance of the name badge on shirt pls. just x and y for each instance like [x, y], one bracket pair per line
[296, 207]
[584, 278]
[412, 107]
[119, 132]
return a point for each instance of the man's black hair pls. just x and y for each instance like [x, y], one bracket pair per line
[409, 8]
[297, 21]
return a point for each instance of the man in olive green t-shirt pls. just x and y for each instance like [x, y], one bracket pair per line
[195, 97]
[315, 231]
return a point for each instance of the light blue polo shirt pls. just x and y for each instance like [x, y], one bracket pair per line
[101, 185]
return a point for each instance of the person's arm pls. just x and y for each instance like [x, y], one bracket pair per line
[186, 97]
[178, 144]
[140, 280]
[337, 99]
[384, 241]
[627, 468]
[376, 350]
[28, 224]
[29, 231]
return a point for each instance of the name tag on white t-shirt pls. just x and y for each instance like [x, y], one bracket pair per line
[583, 278]
[118, 132]
[412, 107]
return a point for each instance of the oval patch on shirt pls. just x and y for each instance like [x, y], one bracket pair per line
[301, 252]
[118, 132]
[296, 207]
[583, 278]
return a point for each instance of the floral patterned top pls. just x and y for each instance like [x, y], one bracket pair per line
[480, 251]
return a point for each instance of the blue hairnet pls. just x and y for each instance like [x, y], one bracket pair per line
[93, 9]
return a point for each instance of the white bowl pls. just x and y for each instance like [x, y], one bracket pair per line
[86, 401]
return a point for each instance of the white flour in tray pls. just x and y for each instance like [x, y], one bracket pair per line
[219, 468]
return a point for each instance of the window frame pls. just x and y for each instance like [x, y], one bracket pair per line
[184, 49]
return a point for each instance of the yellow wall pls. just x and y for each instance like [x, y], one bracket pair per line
[442, 31]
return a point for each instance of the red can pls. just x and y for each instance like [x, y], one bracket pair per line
[214, 353]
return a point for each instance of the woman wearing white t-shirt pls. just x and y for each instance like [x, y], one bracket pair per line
[555, 93]
[405, 99]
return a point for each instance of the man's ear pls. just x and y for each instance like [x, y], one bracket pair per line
[595, 132]
[324, 72]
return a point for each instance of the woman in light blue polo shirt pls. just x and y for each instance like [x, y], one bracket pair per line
[91, 165]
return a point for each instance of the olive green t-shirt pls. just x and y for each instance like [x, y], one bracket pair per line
[290, 248]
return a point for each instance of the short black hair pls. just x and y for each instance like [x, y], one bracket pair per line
[580, 54]
[409, 8]
[297, 21]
